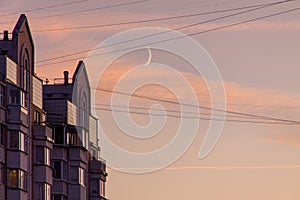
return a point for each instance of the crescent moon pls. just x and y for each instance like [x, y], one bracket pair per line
[150, 56]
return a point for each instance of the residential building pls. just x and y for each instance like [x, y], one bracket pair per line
[79, 172]
[48, 142]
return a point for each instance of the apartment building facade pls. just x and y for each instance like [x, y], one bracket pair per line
[48, 140]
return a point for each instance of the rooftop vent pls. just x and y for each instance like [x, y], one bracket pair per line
[5, 35]
[66, 77]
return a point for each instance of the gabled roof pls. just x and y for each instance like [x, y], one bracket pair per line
[80, 67]
[21, 22]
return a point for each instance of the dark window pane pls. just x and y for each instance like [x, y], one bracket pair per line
[57, 165]
[59, 135]
[14, 139]
[1, 135]
[39, 155]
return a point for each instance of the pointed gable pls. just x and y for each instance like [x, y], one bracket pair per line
[81, 86]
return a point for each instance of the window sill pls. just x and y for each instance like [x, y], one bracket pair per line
[16, 188]
[15, 150]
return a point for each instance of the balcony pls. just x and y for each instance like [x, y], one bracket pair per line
[78, 154]
[97, 169]
[17, 114]
[98, 198]
[17, 159]
[60, 187]
[41, 131]
[42, 173]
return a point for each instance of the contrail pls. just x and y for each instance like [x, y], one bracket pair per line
[217, 167]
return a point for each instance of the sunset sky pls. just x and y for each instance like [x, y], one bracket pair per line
[260, 66]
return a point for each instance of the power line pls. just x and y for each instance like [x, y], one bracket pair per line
[201, 118]
[188, 26]
[92, 9]
[44, 8]
[173, 111]
[201, 32]
[154, 19]
[196, 106]
[163, 32]
[167, 8]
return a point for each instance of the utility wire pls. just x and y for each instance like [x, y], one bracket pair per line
[201, 32]
[92, 9]
[235, 104]
[138, 38]
[172, 111]
[197, 106]
[166, 9]
[154, 19]
[44, 8]
[201, 118]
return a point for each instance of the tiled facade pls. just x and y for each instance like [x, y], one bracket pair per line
[48, 138]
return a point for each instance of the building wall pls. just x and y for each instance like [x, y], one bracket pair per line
[48, 137]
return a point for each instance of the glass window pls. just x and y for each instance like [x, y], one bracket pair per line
[22, 76]
[102, 188]
[59, 169]
[16, 140]
[25, 75]
[81, 176]
[13, 178]
[37, 117]
[17, 178]
[22, 142]
[82, 138]
[57, 165]
[59, 197]
[74, 174]
[2, 135]
[17, 97]
[94, 153]
[77, 175]
[23, 99]
[39, 155]
[43, 155]
[59, 134]
[72, 139]
[95, 186]
[77, 139]
[1, 95]
[22, 179]
[47, 156]
[47, 192]
[13, 97]
[1, 173]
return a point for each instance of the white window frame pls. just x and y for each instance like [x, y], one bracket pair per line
[20, 142]
[81, 176]
[47, 192]
[62, 169]
[21, 179]
[46, 155]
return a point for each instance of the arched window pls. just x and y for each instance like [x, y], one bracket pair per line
[23, 70]
[24, 79]
[83, 111]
